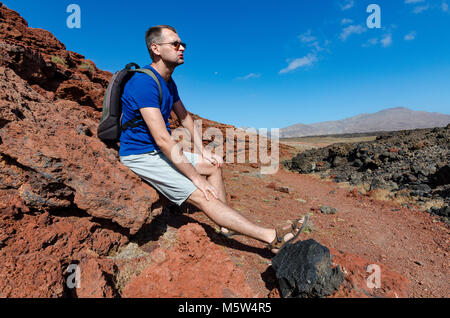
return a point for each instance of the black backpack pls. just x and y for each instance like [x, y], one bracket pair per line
[110, 126]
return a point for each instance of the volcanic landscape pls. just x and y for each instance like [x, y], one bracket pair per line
[66, 199]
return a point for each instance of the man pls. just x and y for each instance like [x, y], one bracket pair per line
[150, 152]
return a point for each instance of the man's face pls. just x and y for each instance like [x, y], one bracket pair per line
[167, 51]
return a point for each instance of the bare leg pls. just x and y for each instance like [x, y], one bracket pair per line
[216, 180]
[215, 177]
[227, 217]
[222, 214]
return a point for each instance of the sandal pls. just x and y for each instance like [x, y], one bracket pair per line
[279, 241]
[228, 234]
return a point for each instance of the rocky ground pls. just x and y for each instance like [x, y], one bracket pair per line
[411, 165]
[66, 200]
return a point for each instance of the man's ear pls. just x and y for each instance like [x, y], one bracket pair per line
[155, 49]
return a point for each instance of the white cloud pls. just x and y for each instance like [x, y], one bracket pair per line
[348, 4]
[410, 36]
[249, 76]
[351, 29]
[421, 9]
[300, 62]
[307, 37]
[371, 42]
[386, 40]
[426, 6]
[346, 21]
[311, 41]
[316, 46]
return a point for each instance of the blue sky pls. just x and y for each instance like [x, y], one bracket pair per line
[271, 64]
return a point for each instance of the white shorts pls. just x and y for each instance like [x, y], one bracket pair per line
[156, 169]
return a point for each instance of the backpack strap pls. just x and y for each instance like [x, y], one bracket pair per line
[135, 122]
[150, 73]
[130, 65]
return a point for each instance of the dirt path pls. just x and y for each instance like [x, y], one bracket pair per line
[409, 242]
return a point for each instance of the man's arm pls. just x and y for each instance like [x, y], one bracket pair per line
[172, 150]
[188, 123]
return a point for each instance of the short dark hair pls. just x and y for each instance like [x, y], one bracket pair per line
[153, 35]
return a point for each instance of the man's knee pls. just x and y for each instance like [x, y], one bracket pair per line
[216, 170]
[195, 198]
[198, 199]
[208, 169]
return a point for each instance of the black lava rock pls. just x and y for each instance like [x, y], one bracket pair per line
[444, 211]
[415, 160]
[339, 179]
[378, 183]
[442, 176]
[302, 164]
[303, 270]
[357, 163]
[328, 210]
[420, 189]
[339, 161]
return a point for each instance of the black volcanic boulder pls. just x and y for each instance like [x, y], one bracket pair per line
[303, 164]
[442, 176]
[443, 212]
[303, 270]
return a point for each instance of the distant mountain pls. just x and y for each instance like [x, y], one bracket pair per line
[391, 119]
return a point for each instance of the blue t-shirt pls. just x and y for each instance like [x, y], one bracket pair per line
[139, 92]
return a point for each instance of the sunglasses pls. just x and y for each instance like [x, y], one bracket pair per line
[176, 44]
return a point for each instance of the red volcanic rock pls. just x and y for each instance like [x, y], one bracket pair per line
[271, 185]
[83, 93]
[35, 251]
[14, 29]
[393, 149]
[93, 279]
[354, 193]
[11, 204]
[31, 275]
[51, 156]
[41, 59]
[355, 268]
[194, 267]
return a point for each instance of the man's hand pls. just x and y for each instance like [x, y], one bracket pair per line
[203, 185]
[213, 158]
